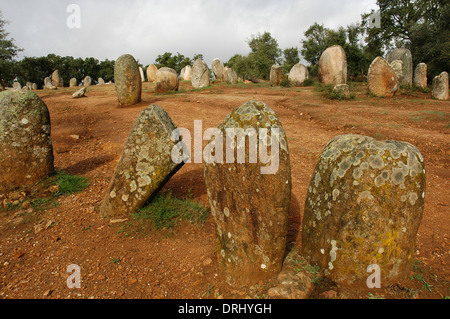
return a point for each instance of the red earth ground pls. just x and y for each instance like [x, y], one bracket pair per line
[88, 136]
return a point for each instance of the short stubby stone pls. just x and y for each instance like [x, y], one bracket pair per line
[217, 68]
[363, 207]
[298, 74]
[343, 91]
[420, 76]
[230, 76]
[381, 78]
[200, 74]
[333, 66]
[145, 164]
[276, 75]
[166, 80]
[405, 56]
[26, 152]
[127, 80]
[57, 79]
[101, 81]
[73, 82]
[151, 72]
[249, 193]
[48, 84]
[439, 87]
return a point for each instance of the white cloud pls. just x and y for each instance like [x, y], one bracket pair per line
[215, 28]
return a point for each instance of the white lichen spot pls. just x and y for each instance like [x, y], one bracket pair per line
[263, 266]
[124, 198]
[229, 235]
[133, 186]
[25, 121]
[412, 197]
[226, 211]
[335, 193]
[322, 251]
[112, 194]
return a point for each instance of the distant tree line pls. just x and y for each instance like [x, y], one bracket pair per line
[423, 26]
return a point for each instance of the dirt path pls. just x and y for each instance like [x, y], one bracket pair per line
[88, 135]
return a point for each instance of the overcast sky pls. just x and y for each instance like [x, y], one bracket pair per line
[146, 28]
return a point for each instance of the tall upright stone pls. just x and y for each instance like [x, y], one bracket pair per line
[420, 76]
[298, 74]
[141, 73]
[363, 209]
[57, 79]
[407, 71]
[146, 163]
[276, 75]
[186, 73]
[151, 72]
[87, 81]
[381, 78]
[217, 68]
[200, 74]
[166, 80]
[128, 80]
[249, 193]
[333, 66]
[439, 88]
[73, 82]
[230, 76]
[26, 152]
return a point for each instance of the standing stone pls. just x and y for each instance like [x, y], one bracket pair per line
[73, 82]
[80, 93]
[381, 78]
[145, 165]
[298, 74]
[128, 80]
[420, 76]
[87, 81]
[26, 152]
[407, 67]
[439, 88]
[141, 72]
[34, 86]
[249, 194]
[187, 73]
[230, 76]
[17, 86]
[166, 80]
[101, 81]
[217, 68]
[48, 84]
[57, 79]
[343, 91]
[397, 66]
[151, 72]
[276, 75]
[363, 207]
[333, 66]
[200, 74]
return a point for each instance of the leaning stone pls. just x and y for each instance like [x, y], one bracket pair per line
[26, 152]
[420, 76]
[276, 75]
[363, 207]
[200, 74]
[249, 195]
[407, 64]
[79, 93]
[166, 80]
[439, 88]
[128, 80]
[381, 78]
[145, 165]
[333, 66]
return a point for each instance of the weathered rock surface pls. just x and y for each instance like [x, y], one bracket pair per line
[81, 92]
[200, 74]
[276, 75]
[87, 81]
[364, 206]
[57, 79]
[217, 68]
[407, 64]
[151, 73]
[420, 76]
[397, 66]
[128, 80]
[230, 76]
[26, 152]
[381, 78]
[248, 194]
[73, 82]
[141, 73]
[439, 88]
[166, 80]
[186, 73]
[48, 84]
[298, 74]
[333, 66]
[145, 165]
[343, 91]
